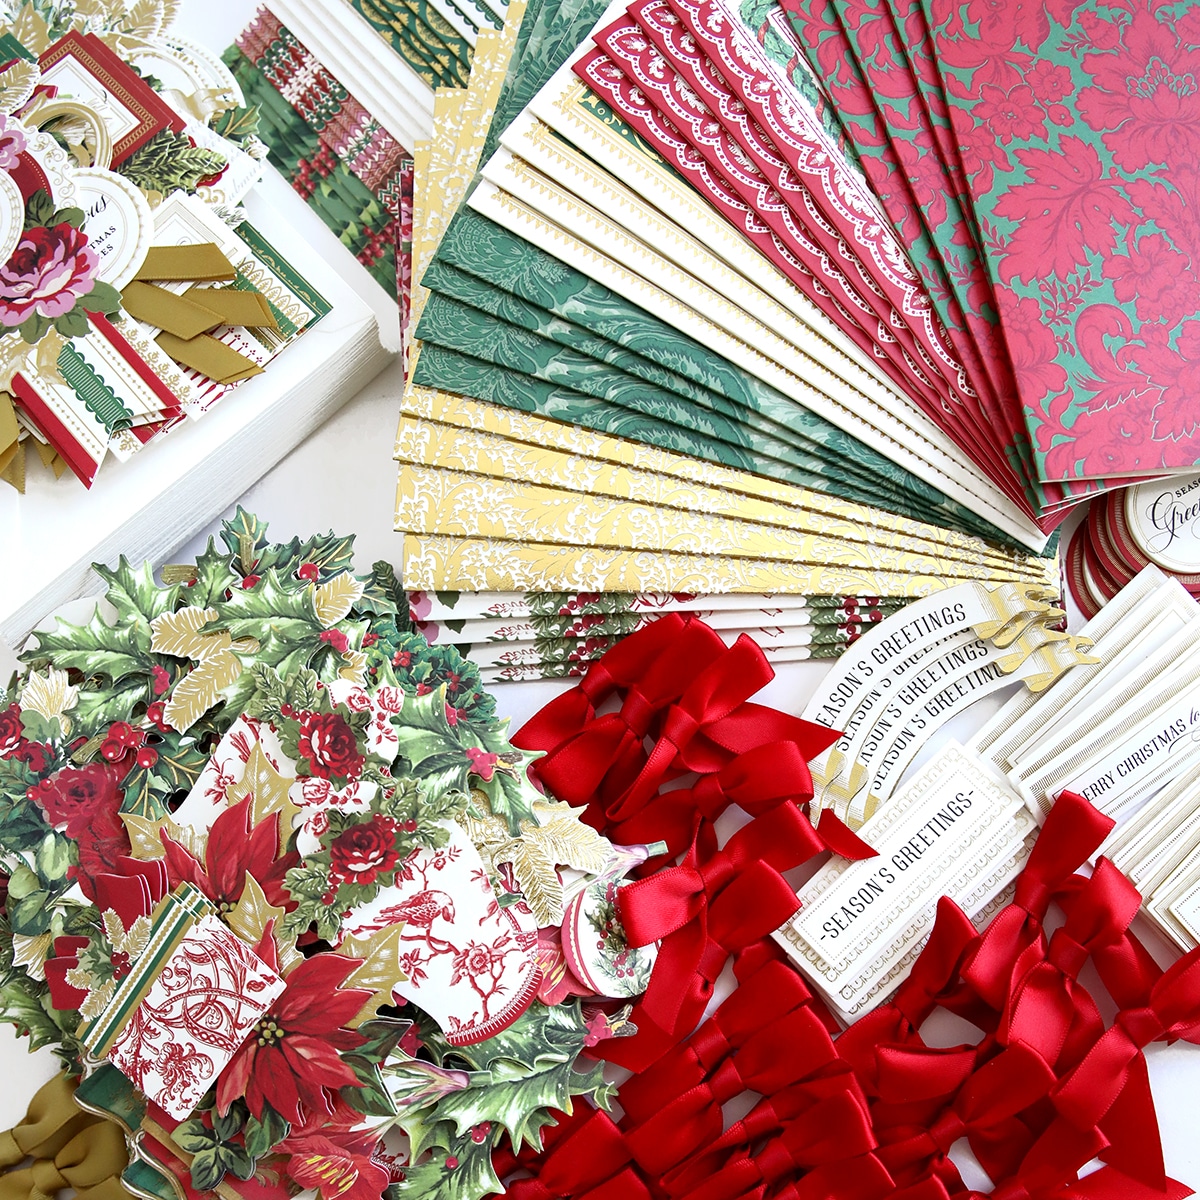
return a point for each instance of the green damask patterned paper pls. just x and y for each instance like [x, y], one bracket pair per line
[450, 281]
[422, 37]
[482, 248]
[460, 326]
[853, 481]
[550, 31]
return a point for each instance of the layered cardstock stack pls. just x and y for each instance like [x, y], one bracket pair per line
[516, 636]
[154, 270]
[349, 168]
[1122, 731]
[135, 293]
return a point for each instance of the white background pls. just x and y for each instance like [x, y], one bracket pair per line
[343, 478]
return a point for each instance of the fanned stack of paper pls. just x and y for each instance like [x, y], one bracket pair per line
[551, 635]
[875, 279]
[1123, 733]
[557, 437]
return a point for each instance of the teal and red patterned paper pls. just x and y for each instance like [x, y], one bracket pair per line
[1078, 127]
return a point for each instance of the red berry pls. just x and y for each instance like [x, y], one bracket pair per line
[308, 571]
[147, 756]
[250, 580]
[111, 751]
[451, 1163]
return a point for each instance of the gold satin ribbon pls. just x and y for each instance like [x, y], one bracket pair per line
[13, 449]
[10, 444]
[52, 1120]
[208, 356]
[198, 310]
[186, 320]
[96, 1154]
[204, 261]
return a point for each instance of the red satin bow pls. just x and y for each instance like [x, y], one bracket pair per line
[768, 1116]
[1073, 830]
[897, 1022]
[618, 668]
[788, 1050]
[711, 696]
[1048, 1010]
[715, 902]
[1114, 1073]
[984, 1111]
[769, 993]
[591, 1163]
[601, 760]
[831, 1131]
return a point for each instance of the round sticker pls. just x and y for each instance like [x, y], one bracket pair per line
[118, 223]
[1163, 519]
[595, 947]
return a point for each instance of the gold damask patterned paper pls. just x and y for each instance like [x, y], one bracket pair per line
[437, 563]
[580, 484]
[475, 415]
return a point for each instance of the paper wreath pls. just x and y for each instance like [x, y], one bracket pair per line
[278, 885]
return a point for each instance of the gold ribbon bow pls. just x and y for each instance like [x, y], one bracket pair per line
[186, 320]
[91, 1163]
[69, 1147]
[52, 1120]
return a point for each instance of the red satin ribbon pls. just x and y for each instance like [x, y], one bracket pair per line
[875, 1113]
[592, 1162]
[1048, 1010]
[769, 993]
[618, 668]
[608, 752]
[833, 1130]
[715, 902]
[984, 1111]
[768, 1116]
[793, 1047]
[934, 973]
[712, 695]
[1072, 832]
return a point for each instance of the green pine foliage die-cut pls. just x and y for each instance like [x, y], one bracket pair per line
[169, 161]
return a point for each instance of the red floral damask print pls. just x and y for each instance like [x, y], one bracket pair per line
[1155, 276]
[1067, 210]
[1031, 345]
[1146, 98]
[1011, 113]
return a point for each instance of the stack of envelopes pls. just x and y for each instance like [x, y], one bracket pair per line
[562, 435]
